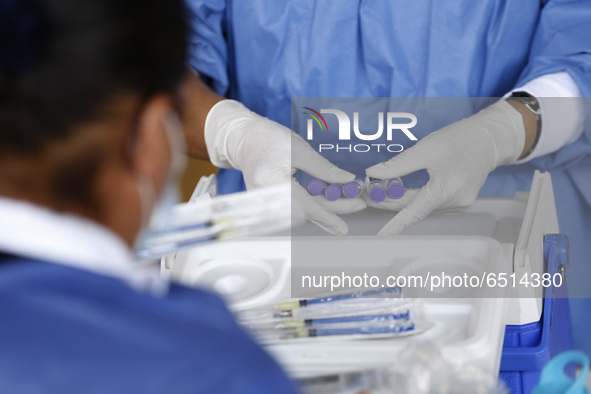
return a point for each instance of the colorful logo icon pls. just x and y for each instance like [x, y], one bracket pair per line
[315, 116]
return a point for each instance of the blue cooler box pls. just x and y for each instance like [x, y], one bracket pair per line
[527, 348]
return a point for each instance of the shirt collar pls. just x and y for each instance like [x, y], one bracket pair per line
[32, 231]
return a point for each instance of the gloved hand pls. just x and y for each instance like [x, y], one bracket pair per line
[458, 158]
[268, 153]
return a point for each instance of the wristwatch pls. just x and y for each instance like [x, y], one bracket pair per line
[533, 105]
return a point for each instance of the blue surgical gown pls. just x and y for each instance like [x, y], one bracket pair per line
[65, 330]
[263, 53]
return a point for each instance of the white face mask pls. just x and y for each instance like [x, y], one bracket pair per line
[157, 214]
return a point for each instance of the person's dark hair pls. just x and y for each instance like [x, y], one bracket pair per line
[62, 60]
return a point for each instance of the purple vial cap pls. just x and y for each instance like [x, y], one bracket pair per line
[315, 187]
[395, 190]
[332, 192]
[377, 194]
[351, 189]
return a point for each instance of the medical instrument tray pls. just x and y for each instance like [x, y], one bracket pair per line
[503, 233]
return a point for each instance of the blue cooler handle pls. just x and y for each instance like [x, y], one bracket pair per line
[553, 380]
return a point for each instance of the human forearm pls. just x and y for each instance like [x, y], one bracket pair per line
[199, 100]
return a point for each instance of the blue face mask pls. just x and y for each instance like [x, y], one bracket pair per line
[157, 214]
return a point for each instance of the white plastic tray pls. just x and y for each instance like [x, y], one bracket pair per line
[492, 235]
[469, 330]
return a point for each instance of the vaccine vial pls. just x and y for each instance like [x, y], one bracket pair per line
[395, 188]
[332, 192]
[316, 187]
[376, 190]
[352, 189]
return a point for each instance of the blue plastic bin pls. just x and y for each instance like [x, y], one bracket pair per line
[528, 348]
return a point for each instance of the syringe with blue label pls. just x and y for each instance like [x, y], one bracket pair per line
[386, 318]
[306, 332]
[295, 304]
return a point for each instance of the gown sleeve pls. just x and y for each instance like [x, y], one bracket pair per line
[207, 51]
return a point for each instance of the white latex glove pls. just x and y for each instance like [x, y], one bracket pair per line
[268, 153]
[458, 158]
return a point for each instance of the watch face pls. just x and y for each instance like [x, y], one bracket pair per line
[529, 101]
[521, 94]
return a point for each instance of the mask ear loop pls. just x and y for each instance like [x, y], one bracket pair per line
[146, 189]
[147, 196]
[145, 186]
[176, 139]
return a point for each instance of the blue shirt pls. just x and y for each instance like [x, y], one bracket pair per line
[67, 330]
